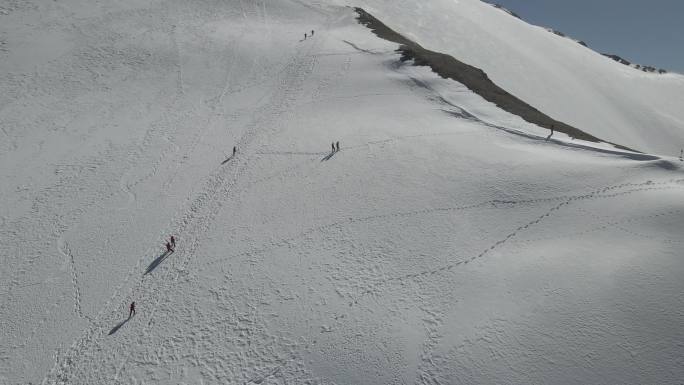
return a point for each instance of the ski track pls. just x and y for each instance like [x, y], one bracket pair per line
[462, 113]
[196, 220]
[63, 248]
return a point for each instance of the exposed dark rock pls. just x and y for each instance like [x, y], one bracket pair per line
[617, 58]
[559, 33]
[637, 66]
[474, 78]
[501, 7]
[508, 11]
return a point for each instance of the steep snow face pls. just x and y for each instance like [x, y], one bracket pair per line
[561, 78]
[446, 242]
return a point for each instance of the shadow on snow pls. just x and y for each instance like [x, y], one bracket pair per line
[117, 327]
[227, 160]
[157, 262]
[329, 156]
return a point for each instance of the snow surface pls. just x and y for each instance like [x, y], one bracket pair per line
[447, 242]
[567, 81]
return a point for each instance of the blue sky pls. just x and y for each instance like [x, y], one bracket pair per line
[644, 32]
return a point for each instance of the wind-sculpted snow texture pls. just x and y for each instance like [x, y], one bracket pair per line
[447, 241]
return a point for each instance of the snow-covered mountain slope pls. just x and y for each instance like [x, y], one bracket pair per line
[563, 79]
[447, 242]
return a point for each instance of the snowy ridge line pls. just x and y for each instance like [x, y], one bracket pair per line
[644, 68]
[493, 203]
[597, 194]
[473, 78]
[623, 153]
[214, 186]
[462, 113]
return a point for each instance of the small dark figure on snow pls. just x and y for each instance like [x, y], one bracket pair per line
[333, 146]
[131, 310]
[552, 128]
[304, 35]
[173, 241]
[312, 33]
[681, 155]
[338, 146]
[234, 150]
[169, 249]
